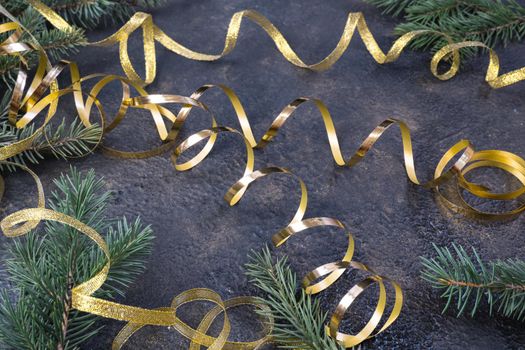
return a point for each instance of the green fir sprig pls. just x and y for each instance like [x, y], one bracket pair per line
[493, 22]
[43, 266]
[64, 141]
[87, 14]
[299, 321]
[468, 281]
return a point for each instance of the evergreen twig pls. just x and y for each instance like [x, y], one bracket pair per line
[299, 321]
[493, 22]
[63, 141]
[35, 311]
[468, 281]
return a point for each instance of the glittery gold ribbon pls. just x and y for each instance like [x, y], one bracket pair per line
[152, 33]
[25, 107]
[83, 300]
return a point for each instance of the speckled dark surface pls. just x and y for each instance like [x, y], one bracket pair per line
[202, 242]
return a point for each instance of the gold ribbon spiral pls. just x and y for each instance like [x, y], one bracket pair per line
[27, 105]
[356, 20]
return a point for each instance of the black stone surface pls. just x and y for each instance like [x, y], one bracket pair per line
[202, 242]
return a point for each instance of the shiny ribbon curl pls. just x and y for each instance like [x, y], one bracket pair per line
[152, 33]
[34, 102]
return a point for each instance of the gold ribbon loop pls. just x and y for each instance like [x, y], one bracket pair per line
[492, 77]
[331, 272]
[506, 161]
[368, 330]
[209, 134]
[14, 230]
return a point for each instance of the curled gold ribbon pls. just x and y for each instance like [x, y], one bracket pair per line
[26, 107]
[467, 157]
[355, 21]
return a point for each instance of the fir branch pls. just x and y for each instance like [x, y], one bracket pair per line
[491, 22]
[87, 14]
[8, 69]
[59, 43]
[299, 321]
[467, 281]
[65, 141]
[44, 266]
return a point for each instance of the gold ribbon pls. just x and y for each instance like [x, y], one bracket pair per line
[355, 20]
[25, 107]
[83, 300]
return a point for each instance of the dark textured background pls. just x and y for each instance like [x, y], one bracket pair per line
[202, 242]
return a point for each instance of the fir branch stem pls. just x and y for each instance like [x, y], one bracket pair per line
[468, 280]
[486, 31]
[36, 312]
[62, 141]
[53, 144]
[67, 309]
[493, 286]
[59, 44]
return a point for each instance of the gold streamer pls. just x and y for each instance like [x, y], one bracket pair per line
[356, 20]
[83, 300]
[34, 101]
